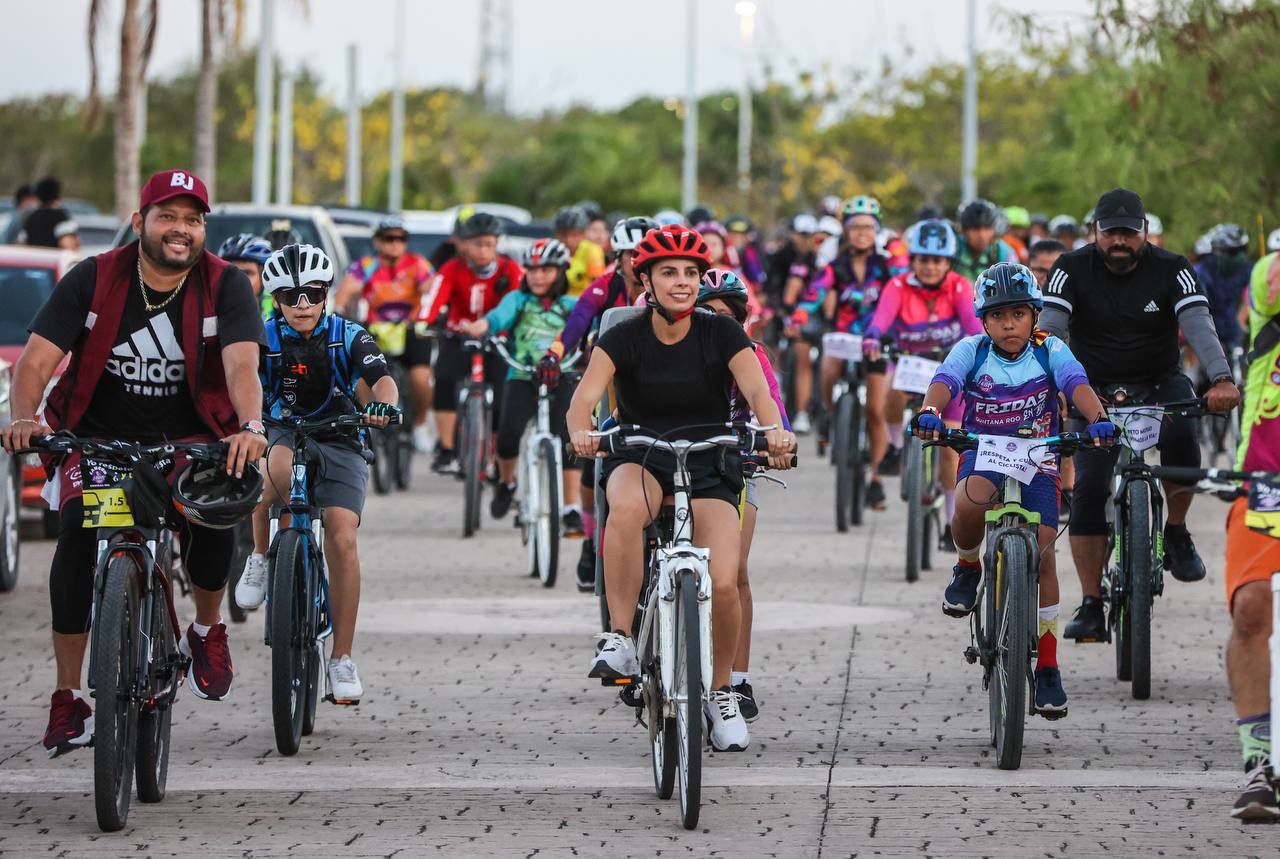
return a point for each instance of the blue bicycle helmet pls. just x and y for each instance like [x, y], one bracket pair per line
[246, 246]
[933, 237]
[1006, 284]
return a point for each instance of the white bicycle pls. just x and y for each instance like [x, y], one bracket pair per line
[673, 638]
[540, 487]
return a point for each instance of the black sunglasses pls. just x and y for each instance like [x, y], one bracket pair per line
[292, 296]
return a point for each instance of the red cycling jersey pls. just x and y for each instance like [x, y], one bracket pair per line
[466, 295]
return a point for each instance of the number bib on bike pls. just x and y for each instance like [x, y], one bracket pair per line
[913, 374]
[1019, 458]
[1263, 514]
[845, 347]
[105, 502]
[1140, 425]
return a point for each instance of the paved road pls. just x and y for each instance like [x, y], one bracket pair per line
[481, 736]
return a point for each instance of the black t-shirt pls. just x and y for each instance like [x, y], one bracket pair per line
[305, 378]
[1124, 327]
[663, 387]
[38, 228]
[143, 394]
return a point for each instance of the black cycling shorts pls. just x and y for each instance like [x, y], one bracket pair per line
[709, 475]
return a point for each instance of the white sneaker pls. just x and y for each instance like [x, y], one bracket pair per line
[801, 423]
[616, 658]
[424, 438]
[251, 590]
[344, 682]
[726, 729]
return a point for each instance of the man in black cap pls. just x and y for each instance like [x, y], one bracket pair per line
[1122, 301]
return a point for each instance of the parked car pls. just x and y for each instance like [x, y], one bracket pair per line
[343, 215]
[359, 240]
[27, 277]
[427, 230]
[97, 233]
[10, 499]
[278, 224]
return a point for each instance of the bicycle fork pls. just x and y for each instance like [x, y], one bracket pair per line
[673, 561]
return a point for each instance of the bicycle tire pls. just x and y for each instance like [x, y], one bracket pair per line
[156, 723]
[10, 543]
[311, 701]
[289, 652]
[403, 437]
[1012, 649]
[857, 462]
[662, 729]
[1140, 598]
[115, 666]
[472, 464]
[913, 483]
[548, 525]
[688, 665]
[240, 554]
[929, 515]
[383, 465]
[841, 452]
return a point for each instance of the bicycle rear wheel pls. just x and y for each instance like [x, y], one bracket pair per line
[1011, 640]
[913, 484]
[1135, 619]
[663, 736]
[156, 720]
[842, 454]
[857, 461]
[688, 697]
[548, 524]
[291, 653]
[116, 658]
[471, 456]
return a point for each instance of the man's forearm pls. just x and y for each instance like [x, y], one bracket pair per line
[1197, 325]
[1054, 320]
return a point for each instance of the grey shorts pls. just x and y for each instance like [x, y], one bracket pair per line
[339, 473]
[753, 494]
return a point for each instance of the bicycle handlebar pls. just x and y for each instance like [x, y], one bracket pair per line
[565, 363]
[334, 422]
[1183, 473]
[746, 436]
[64, 441]
[1067, 442]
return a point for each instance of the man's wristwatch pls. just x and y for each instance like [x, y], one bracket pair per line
[1230, 379]
[254, 427]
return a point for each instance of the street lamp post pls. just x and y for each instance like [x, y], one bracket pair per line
[746, 29]
[262, 108]
[969, 169]
[395, 189]
[689, 174]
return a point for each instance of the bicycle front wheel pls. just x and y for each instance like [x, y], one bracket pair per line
[472, 458]
[913, 483]
[1011, 646]
[291, 653]
[116, 658]
[156, 719]
[842, 454]
[548, 524]
[663, 734]
[1138, 601]
[857, 461]
[688, 698]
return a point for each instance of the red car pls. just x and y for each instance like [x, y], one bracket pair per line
[27, 276]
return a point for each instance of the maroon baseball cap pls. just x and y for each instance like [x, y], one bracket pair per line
[168, 184]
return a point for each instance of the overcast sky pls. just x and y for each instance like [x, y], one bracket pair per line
[599, 52]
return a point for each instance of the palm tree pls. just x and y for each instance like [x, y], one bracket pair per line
[136, 44]
[212, 25]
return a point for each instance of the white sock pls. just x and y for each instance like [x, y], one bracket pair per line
[201, 629]
[895, 435]
[573, 508]
[737, 678]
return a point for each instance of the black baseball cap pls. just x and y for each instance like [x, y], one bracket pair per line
[1120, 208]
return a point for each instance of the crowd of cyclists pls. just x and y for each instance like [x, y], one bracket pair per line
[1030, 316]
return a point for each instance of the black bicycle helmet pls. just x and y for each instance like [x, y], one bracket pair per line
[479, 224]
[594, 211]
[206, 495]
[978, 213]
[571, 218]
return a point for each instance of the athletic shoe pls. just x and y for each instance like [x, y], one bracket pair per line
[445, 461]
[747, 702]
[946, 542]
[1089, 623]
[726, 729]
[892, 462]
[251, 590]
[210, 673]
[616, 659]
[424, 438]
[571, 524]
[344, 682]
[503, 495]
[587, 567]
[1180, 555]
[801, 424]
[961, 595]
[1051, 698]
[1258, 802]
[70, 724]
[875, 495]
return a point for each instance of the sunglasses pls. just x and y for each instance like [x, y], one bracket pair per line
[293, 296]
[394, 237]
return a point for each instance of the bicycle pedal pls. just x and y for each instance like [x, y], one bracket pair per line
[619, 681]
[971, 655]
[342, 702]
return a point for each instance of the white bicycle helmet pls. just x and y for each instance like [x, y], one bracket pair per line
[1155, 226]
[628, 232]
[296, 265]
[829, 225]
[1273, 241]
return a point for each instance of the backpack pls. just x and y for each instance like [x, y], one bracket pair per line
[339, 363]
[1038, 348]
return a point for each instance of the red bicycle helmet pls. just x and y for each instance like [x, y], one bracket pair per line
[675, 241]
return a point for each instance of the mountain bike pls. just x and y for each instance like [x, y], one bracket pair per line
[135, 666]
[540, 486]
[1135, 540]
[474, 434]
[673, 633]
[298, 619]
[921, 487]
[393, 449]
[1003, 634]
[848, 429]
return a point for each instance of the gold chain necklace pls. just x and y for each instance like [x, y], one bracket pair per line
[142, 284]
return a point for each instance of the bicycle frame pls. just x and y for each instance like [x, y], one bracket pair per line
[1007, 518]
[1132, 466]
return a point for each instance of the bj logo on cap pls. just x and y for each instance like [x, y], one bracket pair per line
[181, 180]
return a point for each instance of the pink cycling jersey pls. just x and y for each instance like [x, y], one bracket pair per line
[922, 320]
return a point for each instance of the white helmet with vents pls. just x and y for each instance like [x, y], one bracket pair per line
[297, 265]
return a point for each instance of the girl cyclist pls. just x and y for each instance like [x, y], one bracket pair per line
[673, 370]
[926, 310]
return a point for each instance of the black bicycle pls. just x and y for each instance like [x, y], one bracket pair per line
[848, 429]
[135, 666]
[393, 450]
[474, 434]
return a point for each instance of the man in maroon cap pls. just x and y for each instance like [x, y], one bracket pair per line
[164, 340]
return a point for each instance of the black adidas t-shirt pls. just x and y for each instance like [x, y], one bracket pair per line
[1124, 327]
[143, 394]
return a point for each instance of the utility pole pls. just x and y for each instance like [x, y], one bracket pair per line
[353, 129]
[263, 109]
[969, 168]
[284, 142]
[395, 189]
[689, 173]
[746, 29]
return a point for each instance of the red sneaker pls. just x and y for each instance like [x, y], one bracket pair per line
[211, 672]
[70, 724]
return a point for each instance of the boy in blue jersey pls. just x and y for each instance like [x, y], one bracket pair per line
[1010, 378]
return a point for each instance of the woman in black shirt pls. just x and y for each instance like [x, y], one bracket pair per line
[674, 369]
